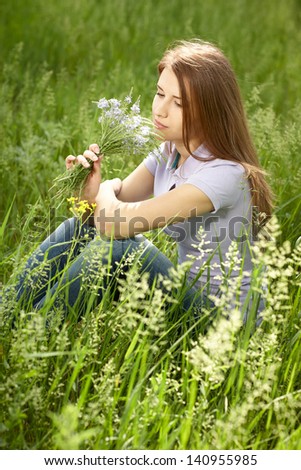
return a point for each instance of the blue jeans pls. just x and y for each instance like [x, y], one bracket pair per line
[73, 257]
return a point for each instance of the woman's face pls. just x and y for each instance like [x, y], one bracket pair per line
[167, 108]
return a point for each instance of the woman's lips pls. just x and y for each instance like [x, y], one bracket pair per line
[158, 125]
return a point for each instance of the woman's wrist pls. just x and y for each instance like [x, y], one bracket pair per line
[109, 189]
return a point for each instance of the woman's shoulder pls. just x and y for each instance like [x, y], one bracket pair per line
[160, 155]
[210, 160]
[226, 166]
[204, 162]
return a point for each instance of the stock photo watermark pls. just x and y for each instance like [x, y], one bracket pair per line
[216, 230]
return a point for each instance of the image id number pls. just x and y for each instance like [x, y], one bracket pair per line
[221, 459]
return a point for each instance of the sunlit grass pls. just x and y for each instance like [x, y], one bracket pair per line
[137, 372]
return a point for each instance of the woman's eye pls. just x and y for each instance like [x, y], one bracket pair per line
[178, 104]
[159, 94]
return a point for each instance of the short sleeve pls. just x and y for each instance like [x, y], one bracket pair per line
[154, 158]
[223, 183]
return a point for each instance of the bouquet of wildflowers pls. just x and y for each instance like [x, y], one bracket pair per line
[123, 132]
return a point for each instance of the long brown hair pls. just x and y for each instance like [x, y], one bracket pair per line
[213, 109]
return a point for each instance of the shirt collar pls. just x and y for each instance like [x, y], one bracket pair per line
[190, 165]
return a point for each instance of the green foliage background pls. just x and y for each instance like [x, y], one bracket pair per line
[58, 56]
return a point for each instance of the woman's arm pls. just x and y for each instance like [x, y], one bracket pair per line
[93, 181]
[123, 219]
[137, 186]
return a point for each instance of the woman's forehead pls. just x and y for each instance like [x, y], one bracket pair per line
[169, 82]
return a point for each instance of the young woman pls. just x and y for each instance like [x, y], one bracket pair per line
[207, 178]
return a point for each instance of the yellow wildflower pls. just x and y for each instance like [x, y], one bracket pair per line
[79, 208]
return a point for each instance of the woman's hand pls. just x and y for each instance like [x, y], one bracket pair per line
[106, 204]
[93, 181]
[114, 184]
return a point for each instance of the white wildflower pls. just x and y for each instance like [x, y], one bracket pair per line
[128, 99]
[123, 132]
[115, 103]
[103, 103]
[140, 140]
[133, 123]
[145, 131]
[135, 108]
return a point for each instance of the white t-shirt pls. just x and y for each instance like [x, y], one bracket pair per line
[225, 184]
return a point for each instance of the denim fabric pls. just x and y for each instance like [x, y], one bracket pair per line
[45, 274]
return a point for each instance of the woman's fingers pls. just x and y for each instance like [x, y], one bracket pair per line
[70, 161]
[94, 148]
[91, 155]
[83, 161]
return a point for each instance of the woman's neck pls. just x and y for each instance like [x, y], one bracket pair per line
[182, 150]
[184, 154]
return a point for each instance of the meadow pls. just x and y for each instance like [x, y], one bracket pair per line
[133, 374]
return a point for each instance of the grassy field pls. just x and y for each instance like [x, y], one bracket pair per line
[96, 384]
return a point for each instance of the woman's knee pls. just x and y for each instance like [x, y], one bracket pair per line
[64, 232]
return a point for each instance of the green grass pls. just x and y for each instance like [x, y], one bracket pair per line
[132, 375]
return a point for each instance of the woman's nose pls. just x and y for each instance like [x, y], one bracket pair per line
[162, 109]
